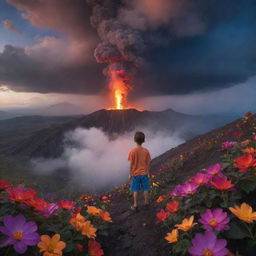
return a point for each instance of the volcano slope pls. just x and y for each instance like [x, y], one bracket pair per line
[134, 234]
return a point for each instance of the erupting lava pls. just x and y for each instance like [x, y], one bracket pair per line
[119, 89]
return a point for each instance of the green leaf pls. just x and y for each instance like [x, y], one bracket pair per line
[236, 232]
[247, 186]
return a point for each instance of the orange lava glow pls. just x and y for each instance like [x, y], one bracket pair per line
[119, 91]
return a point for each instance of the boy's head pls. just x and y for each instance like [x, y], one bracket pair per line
[139, 137]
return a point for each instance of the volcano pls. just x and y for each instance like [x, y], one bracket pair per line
[48, 142]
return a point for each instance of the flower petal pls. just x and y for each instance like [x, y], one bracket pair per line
[20, 247]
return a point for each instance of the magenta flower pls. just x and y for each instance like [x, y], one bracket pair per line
[178, 191]
[19, 233]
[208, 245]
[189, 188]
[49, 210]
[214, 169]
[214, 219]
[200, 178]
[228, 144]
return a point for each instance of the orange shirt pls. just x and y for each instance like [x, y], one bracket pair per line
[140, 159]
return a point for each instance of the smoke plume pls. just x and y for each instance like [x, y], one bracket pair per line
[96, 162]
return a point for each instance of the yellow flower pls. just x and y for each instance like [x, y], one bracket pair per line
[186, 224]
[244, 212]
[88, 229]
[93, 210]
[172, 237]
[51, 246]
[155, 184]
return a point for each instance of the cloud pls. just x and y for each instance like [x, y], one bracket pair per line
[8, 24]
[96, 162]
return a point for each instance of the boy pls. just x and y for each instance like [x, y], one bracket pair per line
[139, 159]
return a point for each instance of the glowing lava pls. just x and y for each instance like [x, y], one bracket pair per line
[119, 89]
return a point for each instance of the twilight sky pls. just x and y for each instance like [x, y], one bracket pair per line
[181, 53]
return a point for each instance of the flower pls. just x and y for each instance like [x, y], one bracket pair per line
[238, 134]
[221, 183]
[249, 150]
[88, 229]
[200, 178]
[214, 219]
[93, 210]
[20, 233]
[79, 247]
[245, 162]
[189, 188]
[186, 224]
[49, 210]
[66, 205]
[172, 237]
[172, 207]
[77, 221]
[214, 169]
[245, 143]
[208, 245]
[20, 194]
[160, 199]
[228, 144]
[244, 212]
[178, 191]
[36, 203]
[4, 184]
[105, 216]
[94, 249]
[162, 215]
[51, 246]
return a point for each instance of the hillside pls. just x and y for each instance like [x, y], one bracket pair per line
[6, 115]
[132, 233]
[48, 142]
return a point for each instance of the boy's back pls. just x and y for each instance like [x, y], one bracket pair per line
[140, 159]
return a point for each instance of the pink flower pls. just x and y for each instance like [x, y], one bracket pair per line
[49, 210]
[200, 179]
[208, 245]
[228, 144]
[178, 191]
[214, 169]
[189, 188]
[214, 219]
[221, 183]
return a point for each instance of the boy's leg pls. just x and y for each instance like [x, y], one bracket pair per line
[146, 197]
[135, 198]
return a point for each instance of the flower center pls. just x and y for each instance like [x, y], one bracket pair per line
[207, 252]
[18, 235]
[213, 223]
[50, 248]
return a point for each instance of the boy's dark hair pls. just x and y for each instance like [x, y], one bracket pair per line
[139, 137]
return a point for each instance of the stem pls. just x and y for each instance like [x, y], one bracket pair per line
[248, 227]
[7, 251]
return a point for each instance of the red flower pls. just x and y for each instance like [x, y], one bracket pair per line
[245, 162]
[238, 134]
[4, 184]
[162, 215]
[94, 248]
[65, 204]
[172, 207]
[104, 198]
[79, 247]
[78, 209]
[221, 183]
[36, 203]
[20, 194]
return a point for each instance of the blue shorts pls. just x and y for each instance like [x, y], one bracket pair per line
[139, 182]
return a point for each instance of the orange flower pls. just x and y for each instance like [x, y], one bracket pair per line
[88, 229]
[94, 249]
[105, 216]
[186, 224]
[77, 222]
[51, 246]
[160, 199]
[172, 207]
[162, 215]
[244, 212]
[249, 150]
[172, 237]
[245, 162]
[221, 183]
[93, 210]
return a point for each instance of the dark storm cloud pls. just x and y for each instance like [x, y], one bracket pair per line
[189, 46]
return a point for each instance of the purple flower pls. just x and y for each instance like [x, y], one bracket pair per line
[49, 210]
[178, 191]
[214, 169]
[214, 219]
[19, 233]
[228, 144]
[185, 190]
[208, 244]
